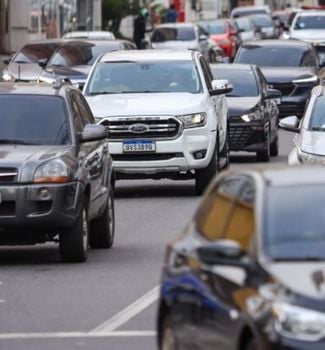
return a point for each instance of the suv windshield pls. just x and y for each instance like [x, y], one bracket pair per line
[244, 24]
[80, 54]
[140, 77]
[33, 119]
[317, 120]
[310, 22]
[291, 232]
[243, 81]
[31, 53]
[170, 34]
[271, 56]
[262, 21]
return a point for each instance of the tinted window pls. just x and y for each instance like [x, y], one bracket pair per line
[242, 13]
[80, 54]
[317, 119]
[270, 56]
[135, 77]
[168, 34]
[31, 53]
[217, 27]
[310, 22]
[34, 119]
[244, 24]
[295, 227]
[243, 81]
[262, 21]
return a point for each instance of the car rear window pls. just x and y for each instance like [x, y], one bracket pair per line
[171, 34]
[31, 53]
[34, 119]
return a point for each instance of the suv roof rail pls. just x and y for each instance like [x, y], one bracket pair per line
[61, 80]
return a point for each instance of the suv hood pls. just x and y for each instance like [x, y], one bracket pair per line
[309, 35]
[313, 142]
[286, 74]
[28, 71]
[27, 158]
[176, 45]
[240, 105]
[146, 104]
[301, 277]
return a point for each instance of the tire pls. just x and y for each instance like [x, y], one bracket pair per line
[205, 175]
[274, 147]
[264, 156]
[251, 344]
[73, 245]
[168, 339]
[224, 154]
[102, 229]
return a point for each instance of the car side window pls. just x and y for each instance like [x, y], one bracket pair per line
[84, 110]
[309, 59]
[208, 77]
[263, 82]
[241, 226]
[77, 119]
[213, 215]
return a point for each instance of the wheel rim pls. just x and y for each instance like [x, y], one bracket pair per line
[84, 230]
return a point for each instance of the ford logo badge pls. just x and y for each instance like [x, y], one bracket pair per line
[138, 128]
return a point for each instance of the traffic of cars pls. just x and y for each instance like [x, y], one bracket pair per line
[95, 111]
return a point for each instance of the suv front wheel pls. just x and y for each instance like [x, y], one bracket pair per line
[74, 244]
[205, 175]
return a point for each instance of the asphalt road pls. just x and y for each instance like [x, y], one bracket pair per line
[110, 301]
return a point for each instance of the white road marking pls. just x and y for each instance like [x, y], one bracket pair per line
[129, 312]
[47, 335]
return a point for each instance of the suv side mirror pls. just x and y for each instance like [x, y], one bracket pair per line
[290, 124]
[203, 37]
[93, 132]
[220, 87]
[7, 60]
[42, 62]
[274, 94]
[223, 252]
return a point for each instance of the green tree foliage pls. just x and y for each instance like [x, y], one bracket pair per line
[113, 11]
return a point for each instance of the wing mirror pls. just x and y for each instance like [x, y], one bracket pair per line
[223, 252]
[93, 132]
[290, 124]
[274, 94]
[6, 60]
[42, 62]
[203, 37]
[220, 86]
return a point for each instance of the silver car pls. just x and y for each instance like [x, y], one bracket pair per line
[309, 142]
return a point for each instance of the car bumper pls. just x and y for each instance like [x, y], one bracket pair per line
[171, 156]
[249, 137]
[37, 207]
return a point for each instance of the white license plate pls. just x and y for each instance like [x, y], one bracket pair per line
[139, 146]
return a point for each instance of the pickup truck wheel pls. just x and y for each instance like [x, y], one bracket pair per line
[102, 229]
[74, 244]
[205, 175]
[224, 156]
[168, 339]
[274, 147]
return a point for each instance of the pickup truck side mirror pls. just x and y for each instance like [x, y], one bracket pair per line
[290, 124]
[42, 62]
[6, 60]
[93, 132]
[220, 87]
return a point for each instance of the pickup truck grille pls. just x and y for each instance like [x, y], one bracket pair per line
[142, 127]
[8, 175]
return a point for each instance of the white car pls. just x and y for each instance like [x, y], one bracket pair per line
[166, 116]
[93, 35]
[309, 143]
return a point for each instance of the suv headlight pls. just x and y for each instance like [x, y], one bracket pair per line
[54, 171]
[6, 76]
[298, 323]
[310, 158]
[251, 117]
[193, 120]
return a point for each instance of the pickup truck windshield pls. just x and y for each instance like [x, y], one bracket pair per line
[34, 120]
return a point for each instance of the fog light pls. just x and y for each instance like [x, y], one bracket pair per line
[44, 194]
[200, 154]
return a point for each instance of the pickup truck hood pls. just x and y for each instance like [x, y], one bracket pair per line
[313, 142]
[286, 74]
[310, 35]
[25, 71]
[176, 45]
[146, 104]
[27, 158]
[240, 105]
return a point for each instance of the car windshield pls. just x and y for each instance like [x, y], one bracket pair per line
[310, 22]
[215, 27]
[149, 77]
[80, 54]
[270, 56]
[33, 119]
[171, 34]
[262, 21]
[317, 119]
[243, 81]
[31, 53]
[244, 24]
[295, 228]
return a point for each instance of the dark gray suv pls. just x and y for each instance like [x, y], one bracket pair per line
[55, 171]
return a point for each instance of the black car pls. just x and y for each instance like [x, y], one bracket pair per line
[253, 111]
[290, 66]
[55, 170]
[74, 59]
[248, 272]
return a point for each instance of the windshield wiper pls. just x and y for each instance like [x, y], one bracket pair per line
[317, 128]
[299, 258]
[16, 142]
[103, 93]
[231, 95]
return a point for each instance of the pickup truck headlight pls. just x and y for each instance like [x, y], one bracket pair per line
[298, 323]
[193, 120]
[54, 171]
[310, 158]
[6, 76]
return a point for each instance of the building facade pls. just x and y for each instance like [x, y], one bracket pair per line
[30, 20]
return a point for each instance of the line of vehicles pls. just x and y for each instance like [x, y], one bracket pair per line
[176, 111]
